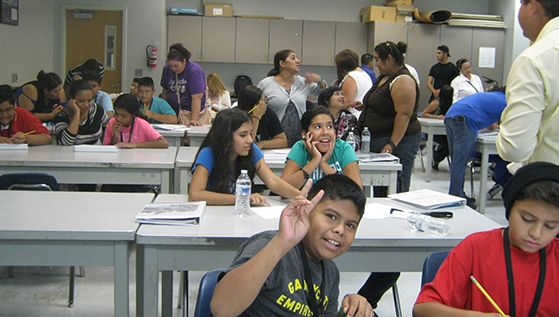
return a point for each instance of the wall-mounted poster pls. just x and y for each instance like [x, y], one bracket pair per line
[10, 12]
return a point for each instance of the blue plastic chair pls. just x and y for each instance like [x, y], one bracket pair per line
[28, 181]
[431, 266]
[42, 182]
[205, 294]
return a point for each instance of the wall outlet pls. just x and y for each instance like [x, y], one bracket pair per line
[138, 72]
[14, 78]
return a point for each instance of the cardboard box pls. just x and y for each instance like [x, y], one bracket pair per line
[378, 13]
[393, 3]
[404, 13]
[215, 9]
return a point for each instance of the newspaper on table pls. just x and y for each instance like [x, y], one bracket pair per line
[190, 213]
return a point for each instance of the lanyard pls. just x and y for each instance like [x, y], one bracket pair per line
[130, 135]
[510, 278]
[317, 309]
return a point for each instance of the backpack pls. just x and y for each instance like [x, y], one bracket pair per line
[241, 82]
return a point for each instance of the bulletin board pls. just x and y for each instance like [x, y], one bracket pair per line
[10, 12]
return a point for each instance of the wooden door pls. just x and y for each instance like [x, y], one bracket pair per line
[85, 39]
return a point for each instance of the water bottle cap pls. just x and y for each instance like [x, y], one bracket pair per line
[244, 171]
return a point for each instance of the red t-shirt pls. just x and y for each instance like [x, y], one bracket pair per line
[24, 121]
[482, 255]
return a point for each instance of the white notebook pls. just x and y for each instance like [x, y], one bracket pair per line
[428, 199]
[95, 148]
[9, 146]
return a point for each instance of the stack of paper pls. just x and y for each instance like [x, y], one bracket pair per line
[96, 148]
[170, 127]
[377, 157]
[172, 213]
[10, 146]
[428, 199]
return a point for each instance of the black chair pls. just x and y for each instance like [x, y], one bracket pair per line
[42, 182]
[431, 266]
[205, 294]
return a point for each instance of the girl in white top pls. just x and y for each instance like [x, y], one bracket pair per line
[354, 81]
[217, 96]
[466, 83]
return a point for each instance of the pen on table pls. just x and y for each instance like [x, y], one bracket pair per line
[487, 295]
[395, 209]
[251, 110]
[30, 132]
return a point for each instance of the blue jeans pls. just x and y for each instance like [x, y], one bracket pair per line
[405, 151]
[461, 142]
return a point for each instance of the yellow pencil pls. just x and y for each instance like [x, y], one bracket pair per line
[487, 295]
[30, 132]
[251, 110]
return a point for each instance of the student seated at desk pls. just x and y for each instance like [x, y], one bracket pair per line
[130, 128]
[156, 109]
[18, 125]
[82, 121]
[226, 150]
[271, 269]
[267, 132]
[344, 121]
[518, 266]
[319, 153]
[43, 97]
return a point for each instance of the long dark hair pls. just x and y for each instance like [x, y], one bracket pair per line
[306, 119]
[249, 97]
[220, 141]
[130, 104]
[48, 81]
[280, 56]
[177, 52]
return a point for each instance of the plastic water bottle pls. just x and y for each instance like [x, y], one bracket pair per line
[351, 140]
[242, 193]
[435, 226]
[365, 141]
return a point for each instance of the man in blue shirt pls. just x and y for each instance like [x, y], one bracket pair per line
[367, 64]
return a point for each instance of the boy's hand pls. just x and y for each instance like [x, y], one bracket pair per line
[19, 138]
[355, 305]
[294, 220]
[5, 140]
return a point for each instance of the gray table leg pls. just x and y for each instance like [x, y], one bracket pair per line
[429, 154]
[147, 281]
[167, 293]
[121, 277]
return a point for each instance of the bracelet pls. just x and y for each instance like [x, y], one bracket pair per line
[307, 176]
[392, 145]
[321, 80]
[255, 117]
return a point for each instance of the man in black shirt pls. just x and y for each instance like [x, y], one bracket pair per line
[441, 73]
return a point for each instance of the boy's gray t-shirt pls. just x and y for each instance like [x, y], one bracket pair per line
[283, 292]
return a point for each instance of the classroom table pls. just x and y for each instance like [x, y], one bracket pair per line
[431, 127]
[197, 134]
[72, 229]
[381, 245]
[174, 137]
[126, 166]
[372, 174]
[486, 145]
